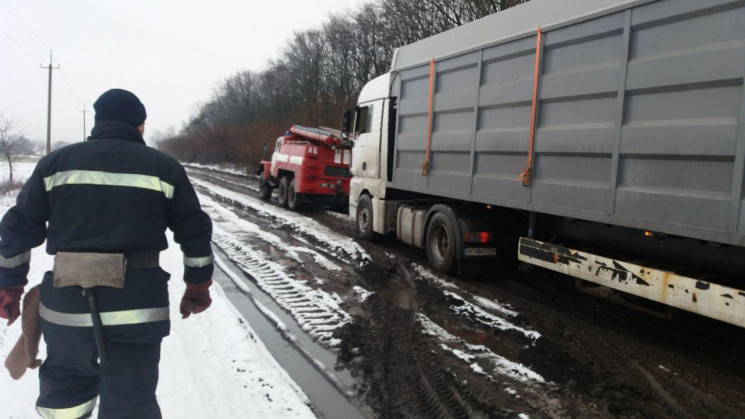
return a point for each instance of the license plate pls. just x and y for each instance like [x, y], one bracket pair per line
[480, 251]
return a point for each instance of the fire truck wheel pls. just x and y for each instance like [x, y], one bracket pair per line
[293, 198]
[365, 218]
[284, 187]
[265, 190]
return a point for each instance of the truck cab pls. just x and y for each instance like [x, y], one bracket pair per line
[368, 127]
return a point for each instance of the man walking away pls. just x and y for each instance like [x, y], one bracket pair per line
[103, 207]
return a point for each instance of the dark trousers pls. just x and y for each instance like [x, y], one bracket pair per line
[71, 376]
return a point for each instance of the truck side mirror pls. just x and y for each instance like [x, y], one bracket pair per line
[346, 123]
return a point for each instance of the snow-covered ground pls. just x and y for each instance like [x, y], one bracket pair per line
[21, 171]
[212, 364]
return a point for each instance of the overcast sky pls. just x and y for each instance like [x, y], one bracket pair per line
[170, 53]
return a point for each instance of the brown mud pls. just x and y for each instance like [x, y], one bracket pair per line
[595, 358]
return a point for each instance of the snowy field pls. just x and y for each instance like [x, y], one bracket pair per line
[212, 365]
[21, 171]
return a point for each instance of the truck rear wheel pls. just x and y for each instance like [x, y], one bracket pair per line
[284, 187]
[365, 218]
[293, 198]
[440, 243]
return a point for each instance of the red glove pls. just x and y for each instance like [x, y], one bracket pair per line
[10, 303]
[196, 299]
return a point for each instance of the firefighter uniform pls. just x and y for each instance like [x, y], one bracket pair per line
[110, 194]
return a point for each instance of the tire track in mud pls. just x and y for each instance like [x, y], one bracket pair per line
[612, 373]
[317, 314]
[678, 398]
[403, 371]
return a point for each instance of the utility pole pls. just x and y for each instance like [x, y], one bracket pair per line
[49, 103]
[84, 130]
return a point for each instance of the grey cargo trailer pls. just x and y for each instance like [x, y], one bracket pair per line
[639, 116]
[626, 114]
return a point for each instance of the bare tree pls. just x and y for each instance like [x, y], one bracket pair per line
[13, 144]
[317, 75]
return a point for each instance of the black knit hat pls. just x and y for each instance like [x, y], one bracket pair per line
[120, 105]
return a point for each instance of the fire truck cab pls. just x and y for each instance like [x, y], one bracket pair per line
[308, 166]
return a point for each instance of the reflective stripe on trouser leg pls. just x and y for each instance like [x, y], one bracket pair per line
[68, 412]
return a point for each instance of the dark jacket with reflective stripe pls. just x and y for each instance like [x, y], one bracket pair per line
[111, 194]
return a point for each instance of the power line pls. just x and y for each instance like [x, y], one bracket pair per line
[19, 46]
[25, 26]
[69, 86]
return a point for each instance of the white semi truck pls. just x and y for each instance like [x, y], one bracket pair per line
[604, 139]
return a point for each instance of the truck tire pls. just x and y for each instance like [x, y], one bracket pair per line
[284, 187]
[293, 198]
[365, 218]
[265, 189]
[440, 243]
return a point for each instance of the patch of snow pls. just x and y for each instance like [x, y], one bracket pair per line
[236, 225]
[494, 305]
[501, 365]
[340, 245]
[223, 169]
[510, 390]
[362, 293]
[487, 319]
[477, 369]
[426, 274]
[458, 354]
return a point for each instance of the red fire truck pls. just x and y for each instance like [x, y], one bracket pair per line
[309, 165]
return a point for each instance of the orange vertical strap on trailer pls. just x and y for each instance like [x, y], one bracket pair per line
[425, 167]
[527, 172]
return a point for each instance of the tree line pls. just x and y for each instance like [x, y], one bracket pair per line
[314, 79]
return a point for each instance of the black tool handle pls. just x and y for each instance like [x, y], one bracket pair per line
[103, 353]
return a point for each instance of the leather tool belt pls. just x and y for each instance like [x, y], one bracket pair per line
[98, 269]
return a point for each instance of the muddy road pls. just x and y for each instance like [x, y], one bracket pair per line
[423, 344]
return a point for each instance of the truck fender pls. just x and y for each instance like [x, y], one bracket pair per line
[263, 170]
